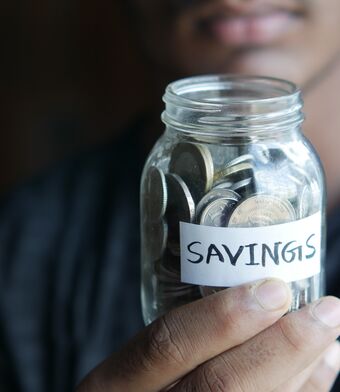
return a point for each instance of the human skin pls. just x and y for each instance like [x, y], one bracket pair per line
[237, 345]
[290, 39]
[242, 343]
[208, 36]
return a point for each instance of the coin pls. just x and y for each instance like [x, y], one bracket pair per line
[215, 194]
[222, 154]
[299, 174]
[171, 262]
[306, 200]
[280, 185]
[174, 247]
[169, 291]
[178, 287]
[167, 275]
[234, 173]
[169, 282]
[241, 159]
[157, 194]
[194, 164]
[181, 205]
[217, 213]
[309, 200]
[276, 155]
[224, 185]
[262, 210]
[260, 153]
[244, 187]
[156, 238]
[316, 197]
[301, 293]
[181, 208]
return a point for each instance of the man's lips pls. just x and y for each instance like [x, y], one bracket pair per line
[252, 29]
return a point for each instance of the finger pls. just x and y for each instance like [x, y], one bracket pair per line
[295, 384]
[324, 376]
[187, 336]
[272, 357]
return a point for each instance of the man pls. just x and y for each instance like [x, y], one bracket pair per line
[69, 251]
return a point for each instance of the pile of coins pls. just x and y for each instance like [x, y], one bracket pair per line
[257, 188]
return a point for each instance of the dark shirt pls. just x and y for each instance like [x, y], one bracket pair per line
[69, 268]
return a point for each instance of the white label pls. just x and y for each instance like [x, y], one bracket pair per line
[225, 256]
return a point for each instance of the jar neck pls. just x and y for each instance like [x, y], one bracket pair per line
[233, 106]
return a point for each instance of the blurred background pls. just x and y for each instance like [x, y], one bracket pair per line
[67, 67]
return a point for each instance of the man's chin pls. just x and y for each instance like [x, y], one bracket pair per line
[274, 62]
[277, 65]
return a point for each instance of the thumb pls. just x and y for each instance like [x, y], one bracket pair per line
[182, 339]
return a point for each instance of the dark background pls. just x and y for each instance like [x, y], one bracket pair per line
[71, 76]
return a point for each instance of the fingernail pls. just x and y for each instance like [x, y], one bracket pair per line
[332, 356]
[272, 294]
[328, 311]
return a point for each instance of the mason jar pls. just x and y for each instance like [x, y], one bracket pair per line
[232, 192]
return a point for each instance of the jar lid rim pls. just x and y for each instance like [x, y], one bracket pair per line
[176, 90]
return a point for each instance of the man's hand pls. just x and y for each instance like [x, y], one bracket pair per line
[235, 340]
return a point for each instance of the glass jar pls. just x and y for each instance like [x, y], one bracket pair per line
[232, 192]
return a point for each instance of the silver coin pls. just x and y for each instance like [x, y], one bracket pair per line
[178, 290]
[235, 173]
[299, 174]
[297, 180]
[194, 164]
[241, 159]
[170, 263]
[303, 283]
[174, 247]
[167, 274]
[156, 238]
[177, 287]
[244, 187]
[309, 200]
[156, 194]
[301, 293]
[223, 185]
[214, 194]
[217, 213]
[277, 184]
[260, 153]
[170, 284]
[276, 155]
[181, 208]
[223, 154]
[305, 203]
[262, 210]
[316, 197]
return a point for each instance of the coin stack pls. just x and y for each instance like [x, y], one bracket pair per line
[237, 190]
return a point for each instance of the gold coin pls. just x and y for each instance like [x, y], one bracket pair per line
[235, 173]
